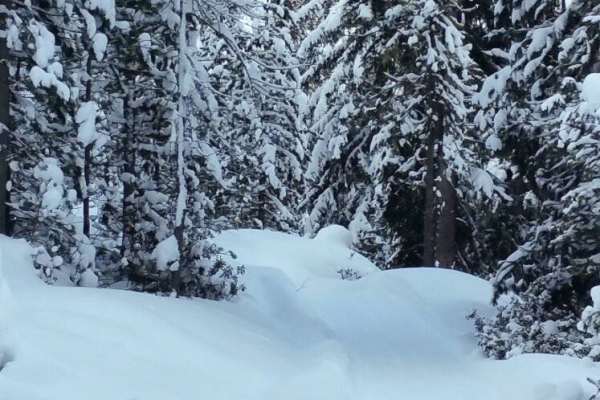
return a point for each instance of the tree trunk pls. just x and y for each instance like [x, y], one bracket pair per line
[446, 240]
[180, 126]
[176, 275]
[127, 218]
[4, 124]
[439, 246]
[87, 158]
[429, 223]
[87, 172]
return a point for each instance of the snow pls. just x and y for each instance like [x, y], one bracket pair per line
[51, 186]
[44, 44]
[564, 390]
[482, 181]
[213, 164]
[86, 118]
[335, 234]
[88, 279]
[299, 332]
[107, 7]
[39, 77]
[595, 293]
[100, 44]
[590, 91]
[90, 23]
[5, 318]
[364, 12]
[166, 254]
[493, 143]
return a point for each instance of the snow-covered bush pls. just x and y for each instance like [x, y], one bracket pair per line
[42, 200]
[590, 324]
[202, 271]
[521, 326]
[349, 274]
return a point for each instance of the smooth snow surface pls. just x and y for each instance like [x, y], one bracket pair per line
[299, 332]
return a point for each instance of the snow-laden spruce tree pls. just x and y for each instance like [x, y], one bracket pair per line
[338, 49]
[154, 112]
[265, 145]
[46, 161]
[204, 87]
[550, 126]
[84, 45]
[428, 139]
[394, 147]
[5, 119]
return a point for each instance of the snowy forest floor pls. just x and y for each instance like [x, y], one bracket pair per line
[298, 332]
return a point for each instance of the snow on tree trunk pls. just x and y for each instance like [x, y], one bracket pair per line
[179, 126]
[440, 204]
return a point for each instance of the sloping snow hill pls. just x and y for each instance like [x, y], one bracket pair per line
[299, 332]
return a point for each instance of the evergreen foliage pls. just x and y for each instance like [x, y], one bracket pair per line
[554, 268]
[148, 137]
[384, 90]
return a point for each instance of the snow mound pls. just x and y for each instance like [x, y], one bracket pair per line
[299, 332]
[88, 279]
[563, 390]
[335, 235]
[282, 311]
[300, 258]
[410, 314]
[590, 91]
[6, 346]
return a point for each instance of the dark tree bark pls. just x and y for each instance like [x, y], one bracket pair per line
[87, 172]
[429, 222]
[128, 206]
[446, 240]
[439, 239]
[176, 275]
[87, 158]
[4, 124]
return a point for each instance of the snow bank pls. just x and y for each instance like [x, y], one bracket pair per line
[299, 332]
[335, 235]
[300, 258]
[6, 345]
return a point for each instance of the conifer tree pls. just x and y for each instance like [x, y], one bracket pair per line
[266, 147]
[551, 137]
[44, 156]
[399, 133]
[5, 120]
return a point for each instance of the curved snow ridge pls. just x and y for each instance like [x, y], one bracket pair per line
[412, 312]
[300, 258]
[407, 314]
[273, 301]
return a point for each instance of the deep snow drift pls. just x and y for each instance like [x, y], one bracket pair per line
[299, 332]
